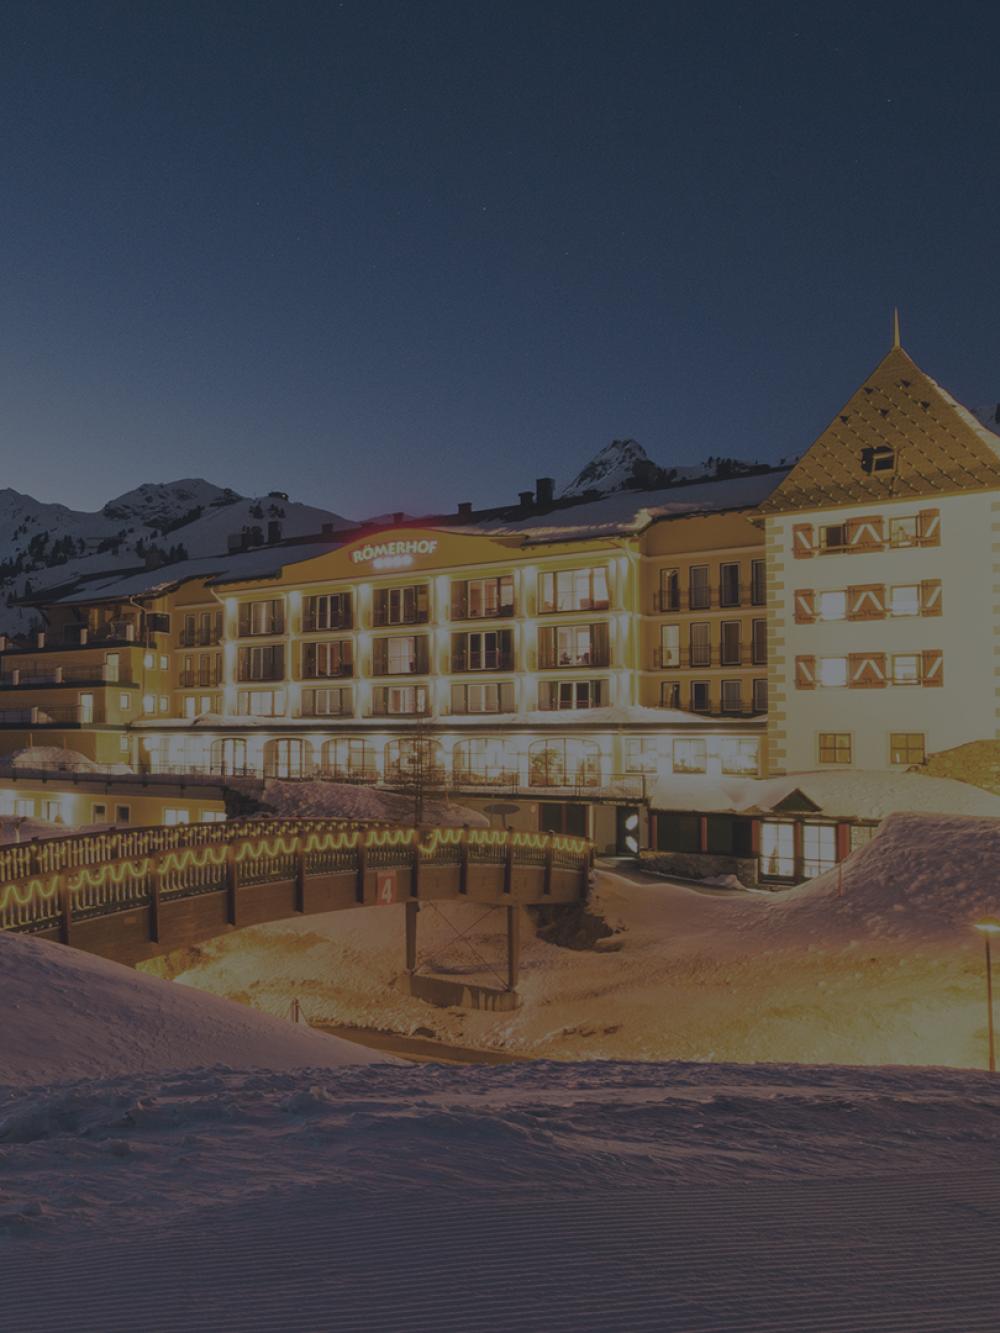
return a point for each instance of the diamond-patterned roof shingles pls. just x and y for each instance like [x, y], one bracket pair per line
[939, 445]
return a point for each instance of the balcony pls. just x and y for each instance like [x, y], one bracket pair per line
[52, 715]
[487, 661]
[199, 638]
[344, 672]
[571, 661]
[33, 676]
[708, 659]
[666, 603]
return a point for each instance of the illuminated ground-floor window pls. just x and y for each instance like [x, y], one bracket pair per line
[564, 763]
[482, 760]
[285, 758]
[229, 756]
[351, 758]
[414, 758]
[777, 849]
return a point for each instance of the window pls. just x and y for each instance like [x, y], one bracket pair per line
[906, 669]
[700, 702]
[670, 590]
[164, 662]
[164, 703]
[123, 743]
[87, 708]
[124, 702]
[760, 695]
[52, 810]
[573, 590]
[819, 849]
[740, 756]
[699, 595]
[573, 645]
[758, 643]
[24, 806]
[349, 757]
[176, 815]
[112, 668]
[331, 610]
[878, 458]
[399, 700]
[400, 606]
[213, 816]
[700, 645]
[690, 755]
[729, 585]
[564, 763]
[832, 605]
[729, 644]
[670, 645]
[123, 814]
[834, 747]
[904, 600]
[904, 531]
[261, 703]
[833, 536]
[483, 760]
[641, 754]
[560, 694]
[229, 755]
[261, 663]
[670, 694]
[99, 813]
[833, 671]
[285, 758]
[400, 656]
[777, 849]
[758, 582]
[475, 599]
[485, 650]
[907, 747]
[327, 703]
[483, 697]
[330, 657]
[261, 618]
[413, 758]
[732, 701]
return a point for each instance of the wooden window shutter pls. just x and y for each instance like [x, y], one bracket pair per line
[933, 666]
[866, 601]
[929, 527]
[866, 534]
[866, 671]
[380, 656]
[459, 600]
[803, 542]
[805, 672]
[931, 597]
[244, 620]
[805, 606]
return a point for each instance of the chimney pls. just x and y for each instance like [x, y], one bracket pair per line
[465, 509]
[273, 531]
[545, 490]
[527, 499]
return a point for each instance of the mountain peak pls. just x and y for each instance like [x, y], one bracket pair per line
[623, 465]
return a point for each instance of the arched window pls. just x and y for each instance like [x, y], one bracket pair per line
[414, 759]
[229, 756]
[564, 763]
[349, 759]
[285, 758]
[483, 761]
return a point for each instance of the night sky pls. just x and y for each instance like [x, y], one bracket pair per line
[396, 255]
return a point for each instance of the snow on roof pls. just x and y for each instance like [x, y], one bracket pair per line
[848, 795]
[260, 563]
[630, 511]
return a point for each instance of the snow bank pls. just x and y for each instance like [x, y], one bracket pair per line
[69, 1015]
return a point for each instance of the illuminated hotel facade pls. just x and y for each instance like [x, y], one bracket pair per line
[570, 664]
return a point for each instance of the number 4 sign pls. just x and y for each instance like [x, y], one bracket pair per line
[385, 886]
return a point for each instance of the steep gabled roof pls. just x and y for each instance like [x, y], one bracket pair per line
[939, 446]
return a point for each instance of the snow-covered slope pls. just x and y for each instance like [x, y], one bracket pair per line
[621, 464]
[45, 545]
[988, 416]
[68, 1015]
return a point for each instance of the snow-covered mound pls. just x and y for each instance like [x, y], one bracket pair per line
[57, 758]
[346, 800]
[70, 1015]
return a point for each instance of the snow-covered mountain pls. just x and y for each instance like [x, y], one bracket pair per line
[988, 416]
[44, 545]
[625, 465]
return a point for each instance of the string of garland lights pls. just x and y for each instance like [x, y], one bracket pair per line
[27, 900]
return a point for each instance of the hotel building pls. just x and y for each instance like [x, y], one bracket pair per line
[618, 666]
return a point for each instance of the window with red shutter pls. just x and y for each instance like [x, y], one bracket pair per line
[805, 606]
[931, 597]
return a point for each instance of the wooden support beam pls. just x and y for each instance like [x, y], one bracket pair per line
[300, 874]
[549, 855]
[232, 886]
[415, 868]
[463, 864]
[359, 887]
[508, 866]
[154, 903]
[513, 947]
[66, 894]
[412, 908]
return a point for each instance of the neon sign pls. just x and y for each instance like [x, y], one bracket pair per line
[393, 555]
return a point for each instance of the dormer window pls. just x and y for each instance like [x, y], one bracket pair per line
[879, 458]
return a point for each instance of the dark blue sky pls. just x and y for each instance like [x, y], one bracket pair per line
[390, 255]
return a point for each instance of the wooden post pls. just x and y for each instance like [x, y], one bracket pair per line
[549, 854]
[412, 908]
[154, 902]
[415, 868]
[463, 864]
[703, 833]
[232, 885]
[359, 887]
[513, 947]
[508, 865]
[66, 933]
[300, 875]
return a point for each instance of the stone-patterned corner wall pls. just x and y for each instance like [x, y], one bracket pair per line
[775, 749]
